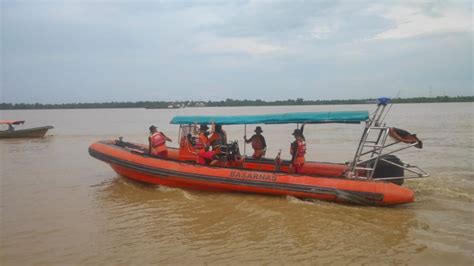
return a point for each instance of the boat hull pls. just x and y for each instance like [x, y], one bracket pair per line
[173, 173]
[37, 132]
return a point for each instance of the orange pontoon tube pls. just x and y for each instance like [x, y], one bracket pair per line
[375, 180]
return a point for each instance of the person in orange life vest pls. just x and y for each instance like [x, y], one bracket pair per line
[218, 138]
[157, 143]
[298, 150]
[258, 143]
[202, 145]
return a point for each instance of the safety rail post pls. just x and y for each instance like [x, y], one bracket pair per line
[245, 142]
[378, 151]
[375, 123]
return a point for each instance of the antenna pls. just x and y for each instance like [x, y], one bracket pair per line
[390, 107]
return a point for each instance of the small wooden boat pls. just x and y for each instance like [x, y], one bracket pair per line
[11, 132]
[373, 181]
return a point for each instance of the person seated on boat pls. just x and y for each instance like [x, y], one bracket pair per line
[10, 127]
[203, 139]
[217, 139]
[202, 145]
[297, 151]
[258, 143]
[157, 143]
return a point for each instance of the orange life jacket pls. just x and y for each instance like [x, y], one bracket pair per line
[300, 148]
[202, 143]
[257, 142]
[157, 141]
[217, 140]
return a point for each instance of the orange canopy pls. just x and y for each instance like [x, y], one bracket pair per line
[11, 122]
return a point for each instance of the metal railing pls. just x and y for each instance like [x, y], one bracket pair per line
[373, 145]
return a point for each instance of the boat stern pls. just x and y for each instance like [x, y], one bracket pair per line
[395, 194]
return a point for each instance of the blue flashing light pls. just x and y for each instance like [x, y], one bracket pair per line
[383, 101]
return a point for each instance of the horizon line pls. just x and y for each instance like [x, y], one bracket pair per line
[298, 99]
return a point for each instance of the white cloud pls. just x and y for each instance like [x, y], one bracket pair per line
[211, 44]
[323, 31]
[411, 21]
[254, 44]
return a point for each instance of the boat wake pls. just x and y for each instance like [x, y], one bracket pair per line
[295, 200]
[452, 193]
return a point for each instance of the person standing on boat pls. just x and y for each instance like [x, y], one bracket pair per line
[258, 143]
[157, 143]
[202, 145]
[218, 138]
[298, 150]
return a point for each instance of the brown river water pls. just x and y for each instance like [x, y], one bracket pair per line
[60, 206]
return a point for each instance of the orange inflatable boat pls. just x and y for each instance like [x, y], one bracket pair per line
[373, 181]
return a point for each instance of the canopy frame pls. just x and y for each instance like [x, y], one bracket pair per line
[345, 117]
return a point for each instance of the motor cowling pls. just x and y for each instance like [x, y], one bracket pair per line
[230, 151]
[385, 169]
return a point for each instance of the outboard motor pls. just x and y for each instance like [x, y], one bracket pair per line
[230, 151]
[385, 169]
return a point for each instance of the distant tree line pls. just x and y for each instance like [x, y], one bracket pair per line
[223, 103]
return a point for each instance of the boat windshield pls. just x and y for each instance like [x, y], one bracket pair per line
[186, 131]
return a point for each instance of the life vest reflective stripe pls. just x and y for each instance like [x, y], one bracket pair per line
[157, 139]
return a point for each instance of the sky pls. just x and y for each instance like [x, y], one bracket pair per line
[101, 51]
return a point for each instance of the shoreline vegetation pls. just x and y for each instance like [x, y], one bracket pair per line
[223, 103]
